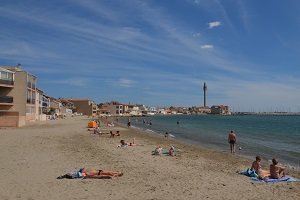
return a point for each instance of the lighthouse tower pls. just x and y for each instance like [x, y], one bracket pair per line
[204, 90]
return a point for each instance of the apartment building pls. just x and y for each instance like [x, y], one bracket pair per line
[113, 108]
[220, 109]
[85, 106]
[17, 96]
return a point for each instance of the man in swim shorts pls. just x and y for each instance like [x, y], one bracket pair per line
[232, 141]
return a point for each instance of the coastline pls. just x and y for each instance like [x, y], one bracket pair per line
[32, 157]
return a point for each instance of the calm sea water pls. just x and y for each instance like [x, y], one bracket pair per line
[268, 136]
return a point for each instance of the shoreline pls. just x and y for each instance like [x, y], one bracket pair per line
[246, 159]
[200, 145]
[32, 157]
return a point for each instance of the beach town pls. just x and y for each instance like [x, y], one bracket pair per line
[46, 142]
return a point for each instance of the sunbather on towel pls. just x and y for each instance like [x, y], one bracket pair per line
[276, 171]
[91, 173]
[258, 169]
[125, 144]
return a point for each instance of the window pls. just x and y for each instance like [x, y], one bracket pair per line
[28, 96]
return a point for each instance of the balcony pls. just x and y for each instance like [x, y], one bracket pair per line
[6, 100]
[8, 83]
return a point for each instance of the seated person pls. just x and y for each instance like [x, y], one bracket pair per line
[172, 151]
[114, 134]
[158, 150]
[256, 165]
[97, 131]
[276, 171]
[118, 133]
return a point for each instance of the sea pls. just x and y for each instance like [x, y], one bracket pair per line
[270, 136]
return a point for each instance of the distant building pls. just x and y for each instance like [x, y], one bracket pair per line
[85, 106]
[17, 96]
[220, 110]
[112, 108]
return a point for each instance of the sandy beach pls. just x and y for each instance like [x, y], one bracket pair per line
[32, 157]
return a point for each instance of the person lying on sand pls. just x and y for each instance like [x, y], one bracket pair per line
[91, 173]
[276, 171]
[125, 144]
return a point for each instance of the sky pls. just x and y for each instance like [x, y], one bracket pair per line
[159, 52]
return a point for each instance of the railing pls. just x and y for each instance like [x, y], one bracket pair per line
[6, 99]
[6, 82]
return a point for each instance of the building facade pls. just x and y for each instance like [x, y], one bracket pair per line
[220, 110]
[85, 106]
[18, 96]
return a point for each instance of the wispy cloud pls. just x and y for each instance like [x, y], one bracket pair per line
[214, 24]
[126, 83]
[196, 34]
[207, 46]
[78, 82]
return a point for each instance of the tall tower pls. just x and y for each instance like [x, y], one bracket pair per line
[204, 90]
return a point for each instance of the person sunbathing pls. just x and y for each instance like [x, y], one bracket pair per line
[93, 173]
[276, 171]
[125, 144]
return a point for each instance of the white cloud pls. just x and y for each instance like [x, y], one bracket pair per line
[126, 83]
[207, 46]
[214, 24]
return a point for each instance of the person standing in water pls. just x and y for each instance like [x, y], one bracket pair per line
[128, 124]
[232, 141]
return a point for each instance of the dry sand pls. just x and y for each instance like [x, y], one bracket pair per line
[32, 157]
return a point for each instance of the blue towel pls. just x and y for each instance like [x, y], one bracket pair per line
[250, 173]
[272, 180]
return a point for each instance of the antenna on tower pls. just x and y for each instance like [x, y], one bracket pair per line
[204, 90]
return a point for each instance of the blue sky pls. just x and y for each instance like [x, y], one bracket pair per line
[159, 52]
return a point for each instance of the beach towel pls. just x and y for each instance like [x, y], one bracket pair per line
[163, 152]
[250, 173]
[271, 180]
[73, 175]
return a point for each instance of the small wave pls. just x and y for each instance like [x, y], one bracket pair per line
[149, 130]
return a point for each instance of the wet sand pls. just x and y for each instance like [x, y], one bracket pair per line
[32, 157]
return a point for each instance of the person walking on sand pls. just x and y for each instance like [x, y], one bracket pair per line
[232, 141]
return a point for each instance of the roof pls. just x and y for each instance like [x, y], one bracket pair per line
[5, 70]
[16, 69]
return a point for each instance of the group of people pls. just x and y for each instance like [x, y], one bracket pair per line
[276, 171]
